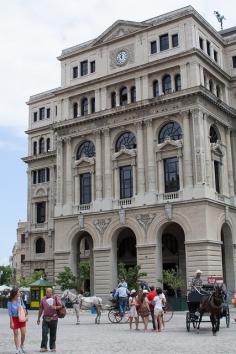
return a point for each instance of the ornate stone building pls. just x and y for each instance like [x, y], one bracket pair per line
[17, 259]
[133, 157]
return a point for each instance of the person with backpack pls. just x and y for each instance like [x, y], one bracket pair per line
[50, 305]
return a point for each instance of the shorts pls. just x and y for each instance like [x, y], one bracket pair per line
[17, 323]
[158, 312]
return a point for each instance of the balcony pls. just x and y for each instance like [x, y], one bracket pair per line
[125, 202]
[84, 207]
[171, 196]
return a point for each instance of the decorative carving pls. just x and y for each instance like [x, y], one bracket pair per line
[168, 211]
[145, 220]
[81, 221]
[122, 216]
[101, 225]
[124, 151]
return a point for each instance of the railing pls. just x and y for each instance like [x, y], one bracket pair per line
[84, 207]
[125, 202]
[171, 196]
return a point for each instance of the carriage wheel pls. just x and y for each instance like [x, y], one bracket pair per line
[188, 321]
[168, 313]
[114, 316]
[227, 317]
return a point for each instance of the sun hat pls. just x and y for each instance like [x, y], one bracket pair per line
[198, 271]
[133, 291]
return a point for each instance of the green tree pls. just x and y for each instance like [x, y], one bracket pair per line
[67, 280]
[6, 275]
[172, 279]
[35, 276]
[132, 275]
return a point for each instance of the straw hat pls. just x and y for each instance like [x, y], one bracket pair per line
[198, 271]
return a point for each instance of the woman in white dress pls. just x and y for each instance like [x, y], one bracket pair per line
[132, 310]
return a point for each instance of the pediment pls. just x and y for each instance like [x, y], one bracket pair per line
[119, 29]
[124, 152]
[85, 161]
[40, 192]
[169, 144]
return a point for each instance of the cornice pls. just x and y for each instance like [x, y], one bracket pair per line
[40, 157]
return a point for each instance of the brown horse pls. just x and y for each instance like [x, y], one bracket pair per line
[212, 304]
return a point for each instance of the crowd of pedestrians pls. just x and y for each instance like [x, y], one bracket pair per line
[141, 304]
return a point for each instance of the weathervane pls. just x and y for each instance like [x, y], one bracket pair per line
[220, 18]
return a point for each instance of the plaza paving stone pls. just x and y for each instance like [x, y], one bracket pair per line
[107, 338]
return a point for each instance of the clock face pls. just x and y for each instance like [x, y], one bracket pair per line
[122, 57]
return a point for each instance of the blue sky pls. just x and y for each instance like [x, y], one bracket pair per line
[32, 35]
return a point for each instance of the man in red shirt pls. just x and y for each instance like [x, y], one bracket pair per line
[48, 307]
[150, 298]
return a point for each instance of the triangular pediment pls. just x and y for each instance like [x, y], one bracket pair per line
[119, 29]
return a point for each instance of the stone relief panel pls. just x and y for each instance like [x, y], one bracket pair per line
[101, 225]
[145, 221]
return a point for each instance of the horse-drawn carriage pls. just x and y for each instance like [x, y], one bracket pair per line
[210, 299]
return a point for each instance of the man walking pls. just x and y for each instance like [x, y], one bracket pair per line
[48, 307]
[122, 295]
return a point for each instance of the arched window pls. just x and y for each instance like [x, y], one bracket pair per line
[75, 110]
[218, 91]
[166, 84]
[86, 149]
[126, 140]
[155, 88]
[211, 85]
[123, 96]
[133, 94]
[113, 100]
[92, 104]
[48, 144]
[40, 245]
[171, 130]
[177, 82]
[35, 145]
[214, 134]
[84, 106]
[41, 146]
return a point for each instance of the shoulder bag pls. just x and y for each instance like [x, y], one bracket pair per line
[21, 313]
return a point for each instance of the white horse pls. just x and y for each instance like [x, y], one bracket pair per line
[79, 301]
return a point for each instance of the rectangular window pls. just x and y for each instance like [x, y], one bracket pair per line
[22, 258]
[92, 66]
[215, 56]
[164, 42]
[34, 176]
[85, 188]
[208, 48]
[22, 236]
[175, 40]
[84, 68]
[153, 47]
[40, 212]
[201, 43]
[48, 112]
[92, 105]
[47, 174]
[42, 113]
[41, 175]
[75, 72]
[35, 116]
[126, 182]
[234, 61]
[171, 170]
[217, 175]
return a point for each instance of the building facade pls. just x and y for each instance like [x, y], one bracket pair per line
[17, 259]
[133, 158]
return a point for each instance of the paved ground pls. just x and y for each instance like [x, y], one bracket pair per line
[106, 338]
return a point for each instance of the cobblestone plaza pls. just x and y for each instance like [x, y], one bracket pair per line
[106, 338]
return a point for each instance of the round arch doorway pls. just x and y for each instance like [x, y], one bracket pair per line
[82, 252]
[227, 250]
[124, 251]
[173, 252]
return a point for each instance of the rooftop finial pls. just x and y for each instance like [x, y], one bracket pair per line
[220, 18]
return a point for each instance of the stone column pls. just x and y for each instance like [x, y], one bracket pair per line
[140, 159]
[117, 98]
[98, 165]
[116, 182]
[128, 95]
[161, 180]
[145, 87]
[104, 98]
[107, 163]
[207, 152]
[184, 76]
[187, 152]
[77, 194]
[97, 100]
[201, 75]
[230, 163]
[68, 174]
[150, 157]
[60, 169]
[138, 88]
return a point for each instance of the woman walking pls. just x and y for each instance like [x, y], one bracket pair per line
[132, 310]
[159, 302]
[144, 309]
[15, 308]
